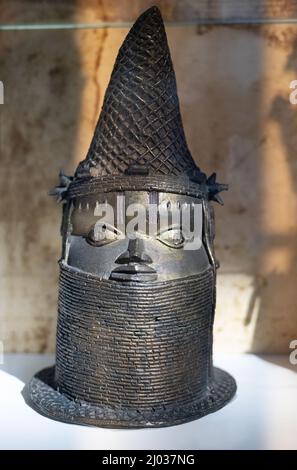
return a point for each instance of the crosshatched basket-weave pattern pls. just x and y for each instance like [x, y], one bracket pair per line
[140, 122]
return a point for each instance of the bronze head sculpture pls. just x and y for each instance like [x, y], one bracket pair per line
[136, 307]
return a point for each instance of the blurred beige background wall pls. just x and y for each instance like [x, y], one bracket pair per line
[233, 83]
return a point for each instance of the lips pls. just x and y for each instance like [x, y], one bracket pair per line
[134, 272]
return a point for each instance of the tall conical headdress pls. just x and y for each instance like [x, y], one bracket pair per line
[140, 130]
[140, 123]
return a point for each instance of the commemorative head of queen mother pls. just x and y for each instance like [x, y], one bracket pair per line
[138, 270]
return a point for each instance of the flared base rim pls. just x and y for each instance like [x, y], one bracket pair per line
[40, 393]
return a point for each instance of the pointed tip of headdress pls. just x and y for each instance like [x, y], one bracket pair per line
[153, 10]
[148, 31]
[140, 122]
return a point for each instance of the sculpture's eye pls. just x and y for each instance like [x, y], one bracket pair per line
[172, 237]
[102, 234]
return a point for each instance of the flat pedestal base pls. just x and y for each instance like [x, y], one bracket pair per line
[42, 395]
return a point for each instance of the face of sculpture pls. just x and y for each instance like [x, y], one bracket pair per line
[137, 236]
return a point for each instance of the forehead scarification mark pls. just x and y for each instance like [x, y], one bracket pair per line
[154, 197]
[121, 207]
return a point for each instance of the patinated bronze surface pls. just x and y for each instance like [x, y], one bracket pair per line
[136, 308]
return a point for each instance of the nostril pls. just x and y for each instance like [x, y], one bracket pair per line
[124, 258]
[145, 258]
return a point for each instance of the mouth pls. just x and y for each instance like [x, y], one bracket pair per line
[134, 272]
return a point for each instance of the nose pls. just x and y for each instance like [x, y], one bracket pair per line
[135, 253]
